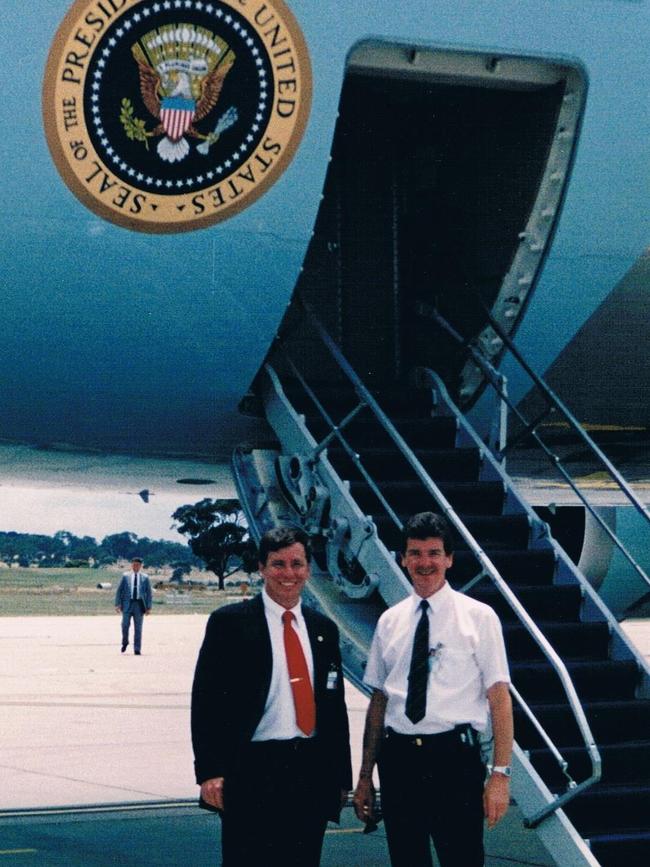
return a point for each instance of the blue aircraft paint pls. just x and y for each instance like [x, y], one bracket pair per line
[114, 339]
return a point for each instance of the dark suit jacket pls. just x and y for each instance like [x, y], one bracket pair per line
[231, 684]
[123, 593]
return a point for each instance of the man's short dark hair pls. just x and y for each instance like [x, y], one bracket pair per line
[429, 525]
[137, 560]
[283, 537]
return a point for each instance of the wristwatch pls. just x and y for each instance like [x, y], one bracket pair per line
[506, 770]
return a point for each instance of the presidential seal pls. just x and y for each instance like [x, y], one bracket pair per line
[171, 115]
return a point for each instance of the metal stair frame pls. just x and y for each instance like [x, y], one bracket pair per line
[593, 608]
[480, 352]
[296, 439]
[537, 802]
[532, 795]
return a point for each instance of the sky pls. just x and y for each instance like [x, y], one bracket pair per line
[96, 513]
[92, 495]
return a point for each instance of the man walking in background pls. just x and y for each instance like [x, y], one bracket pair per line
[133, 601]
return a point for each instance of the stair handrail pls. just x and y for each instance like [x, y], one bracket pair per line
[560, 406]
[337, 432]
[494, 379]
[488, 567]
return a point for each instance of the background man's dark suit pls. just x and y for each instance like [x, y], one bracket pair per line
[133, 609]
[231, 685]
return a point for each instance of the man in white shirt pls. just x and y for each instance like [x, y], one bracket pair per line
[438, 668]
[133, 600]
[269, 723]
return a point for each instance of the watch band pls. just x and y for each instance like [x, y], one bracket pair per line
[506, 770]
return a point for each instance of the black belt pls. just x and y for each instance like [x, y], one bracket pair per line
[463, 732]
[292, 745]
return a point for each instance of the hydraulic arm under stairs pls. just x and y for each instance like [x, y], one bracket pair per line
[349, 466]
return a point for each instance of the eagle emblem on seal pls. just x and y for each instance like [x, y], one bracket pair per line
[181, 68]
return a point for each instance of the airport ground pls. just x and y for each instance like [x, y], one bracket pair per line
[95, 756]
[32, 591]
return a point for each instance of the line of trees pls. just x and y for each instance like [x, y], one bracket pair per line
[66, 549]
[217, 533]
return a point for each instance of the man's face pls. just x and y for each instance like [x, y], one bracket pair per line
[426, 563]
[136, 565]
[285, 573]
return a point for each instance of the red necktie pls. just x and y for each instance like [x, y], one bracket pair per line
[303, 694]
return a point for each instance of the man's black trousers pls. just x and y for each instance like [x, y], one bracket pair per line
[274, 806]
[432, 789]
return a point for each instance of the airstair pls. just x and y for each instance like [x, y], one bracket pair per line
[349, 463]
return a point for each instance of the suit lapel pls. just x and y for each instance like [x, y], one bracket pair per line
[260, 639]
[318, 648]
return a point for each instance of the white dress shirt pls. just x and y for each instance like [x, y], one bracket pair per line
[131, 580]
[279, 718]
[466, 657]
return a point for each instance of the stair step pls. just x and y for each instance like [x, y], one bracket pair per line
[560, 603]
[365, 430]
[478, 498]
[499, 531]
[610, 809]
[384, 464]
[515, 567]
[604, 680]
[623, 764]
[608, 720]
[622, 850]
[339, 399]
[570, 640]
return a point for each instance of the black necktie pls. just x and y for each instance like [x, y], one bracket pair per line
[416, 697]
[135, 585]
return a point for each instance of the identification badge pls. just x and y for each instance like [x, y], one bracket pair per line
[434, 656]
[332, 678]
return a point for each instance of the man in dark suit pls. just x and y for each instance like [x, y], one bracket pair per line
[269, 723]
[133, 600]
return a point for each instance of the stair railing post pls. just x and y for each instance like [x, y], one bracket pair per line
[498, 436]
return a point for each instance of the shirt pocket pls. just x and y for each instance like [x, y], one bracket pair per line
[454, 666]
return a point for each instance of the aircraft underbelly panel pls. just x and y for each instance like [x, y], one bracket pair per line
[103, 323]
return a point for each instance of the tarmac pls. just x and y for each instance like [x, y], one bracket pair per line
[70, 702]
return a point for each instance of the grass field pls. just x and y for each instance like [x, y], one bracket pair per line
[47, 592]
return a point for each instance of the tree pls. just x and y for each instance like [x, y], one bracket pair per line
[216, 531]
[121, 546]
[249, 558]
[82, 549]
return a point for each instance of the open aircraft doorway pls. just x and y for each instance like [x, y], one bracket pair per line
[445, 183]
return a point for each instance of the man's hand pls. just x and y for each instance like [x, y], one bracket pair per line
[147, 611]
[118, 609]
[496, 798]
[364, 799]
[212, 792]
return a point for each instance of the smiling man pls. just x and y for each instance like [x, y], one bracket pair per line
[437, 667]
[269, 723]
